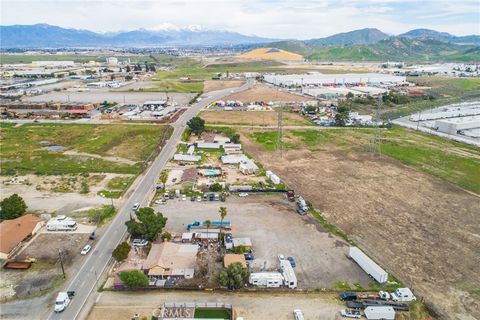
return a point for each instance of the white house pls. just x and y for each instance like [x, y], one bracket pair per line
[233, 158]
[186, 157]
[248, 167]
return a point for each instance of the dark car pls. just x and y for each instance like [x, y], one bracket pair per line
[249, 256]
[211, 196]
[171, 195]
[193, 198]
[92, 236]
[348, 296]
[292, 262]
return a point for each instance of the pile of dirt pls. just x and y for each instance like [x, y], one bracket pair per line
[271, 54]
[421, 229]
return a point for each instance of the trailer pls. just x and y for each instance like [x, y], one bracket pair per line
[395, 305]
[266, 279]
[379, 313]
[368, 265]
[61, 223]
[215, 224]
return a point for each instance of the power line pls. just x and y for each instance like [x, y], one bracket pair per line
[375, 140]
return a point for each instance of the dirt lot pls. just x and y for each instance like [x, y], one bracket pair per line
[279, 222]
[422, 229]
[265, 93]
[250, 306]
[257, 118]
[45, 273]
[213, 85]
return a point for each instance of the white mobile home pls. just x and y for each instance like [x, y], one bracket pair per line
[248, 167]
[290, 279]
[368, 265]
[266, 279]
[186, 157]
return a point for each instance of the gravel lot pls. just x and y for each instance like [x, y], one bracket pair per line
[250, 306]
[275, 228]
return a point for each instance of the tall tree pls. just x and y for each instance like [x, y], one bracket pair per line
[127, 69]
[223, 213]
[121, 251]
[12, 207]
[196, 125]
[208, 224]
[147, 225]
[233, 277]
[164, 178]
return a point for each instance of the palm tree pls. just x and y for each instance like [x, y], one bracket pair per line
[223, 214]
[164, 178]
[208, 224]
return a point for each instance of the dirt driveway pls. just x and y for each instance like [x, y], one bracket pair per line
[275, 228]
[422, 229]
[250, 306]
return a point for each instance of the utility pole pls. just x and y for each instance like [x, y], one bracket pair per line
[375, 141]
[280, 131]
[61, 262]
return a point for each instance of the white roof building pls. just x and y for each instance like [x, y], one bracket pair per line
[267, 279]
[233, 158]
[248, 167]
[290, 279]
[186, 157]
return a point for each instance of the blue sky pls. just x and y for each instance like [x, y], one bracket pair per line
[300, 19]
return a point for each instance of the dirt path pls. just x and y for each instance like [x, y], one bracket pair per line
[420, 228]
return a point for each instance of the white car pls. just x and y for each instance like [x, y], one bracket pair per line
[86, 249]
[243, 194]
[347, 313]
[281, 257]
[297, 313]
[136, 206]
[184, 197]
[161, 201]
[139, 242]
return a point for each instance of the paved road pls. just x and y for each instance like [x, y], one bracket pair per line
[84, 282]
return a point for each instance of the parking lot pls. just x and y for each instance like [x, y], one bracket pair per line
[275, 228]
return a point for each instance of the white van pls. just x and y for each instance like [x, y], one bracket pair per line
[297, 313]
[62, 301]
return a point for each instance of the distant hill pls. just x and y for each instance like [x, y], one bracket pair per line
[427, 33]
[401, 49]
[362, 36]
[48, 36]
[271, 54]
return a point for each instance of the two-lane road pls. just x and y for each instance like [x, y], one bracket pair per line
[84, 282]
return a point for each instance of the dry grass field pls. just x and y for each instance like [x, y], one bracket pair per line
[213, 85]
[266, 94]
[420, 228]
[255, 118]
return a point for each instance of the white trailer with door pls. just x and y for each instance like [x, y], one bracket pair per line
[368, 265]
[266, 279]
[379, 313]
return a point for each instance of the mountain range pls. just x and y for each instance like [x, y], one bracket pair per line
[48, 36]
[360, 45]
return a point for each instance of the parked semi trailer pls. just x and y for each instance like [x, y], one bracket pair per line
[368, 265]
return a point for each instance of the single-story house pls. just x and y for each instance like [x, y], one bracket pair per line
[248, 167]
[171, 260]
[208, 145]
[13, 233]
[246, 242]
[233, 158]
[190, 175]
[186, 157]
[230, 258]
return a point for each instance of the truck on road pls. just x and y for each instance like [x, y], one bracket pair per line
[63, 299]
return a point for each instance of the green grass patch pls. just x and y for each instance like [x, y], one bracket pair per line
[119, 183]
[110, 194]
[269, 140]
[175, 86]
[328, 226]
[101, 216]
[211, 314]
[23, 153]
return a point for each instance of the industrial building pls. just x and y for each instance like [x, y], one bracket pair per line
[319, 79]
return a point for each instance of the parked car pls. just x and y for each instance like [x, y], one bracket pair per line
[199, 198]
[139, 242]
[298, 315]
[92, 236]
[165, 196]
[243, 194]
[348, 313]
[205, 197]
[174, 179]
[192, 198]
[384, 295]
[281, 257]
[86, 249]
[211, 197]
[171, 195]
[136, 206]
[161, 201]
[292, 262]
[348, 296]
[184, 197]
[249, 256]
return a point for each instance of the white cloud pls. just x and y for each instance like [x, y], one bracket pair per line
[299, 19]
